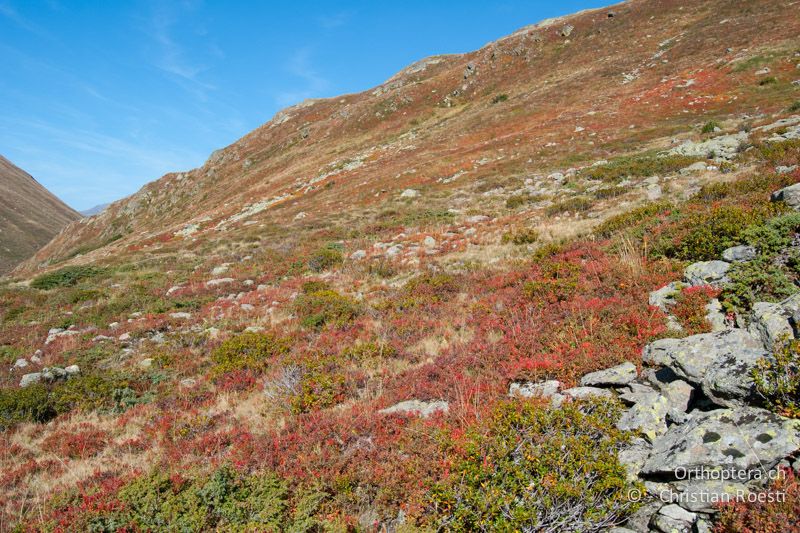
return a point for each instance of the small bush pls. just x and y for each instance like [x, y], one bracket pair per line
[769, 80]
[714, 231]
[690, 309]
[638, 167]
[65, 277]
[773, 236]
[759, 280]
[325, 307]
[29, 404]
[632, 218]
[710, 127]
[777, 379]
[521, 237]
[322, 385]
[325, 259]
[766, 513]
[536, 469]
[794, 107]
[86, 443]
[573, 205]
[248, 351]
[499, 98]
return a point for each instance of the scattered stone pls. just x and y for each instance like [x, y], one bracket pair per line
[301, 215]
[220, 270]
[700, 166]
[763, 72]
[789, 195]
[545, 389]
[72, 370]
[409, 193]
[567, 30]
[664, 297]
[724, 147]
[358, 255]
[188, 382]
[610, 377]
[30, 379]
[182, 315]
[20, 363]
[739, 254]
[429, 242]
[781, 169]
[417, 407]
[146, 363]
[219, 281]
[712, 273]
[477, 219]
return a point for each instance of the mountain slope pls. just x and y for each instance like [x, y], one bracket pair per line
[30, 215]
[606, 81]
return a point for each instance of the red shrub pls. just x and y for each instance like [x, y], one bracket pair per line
[85, 443]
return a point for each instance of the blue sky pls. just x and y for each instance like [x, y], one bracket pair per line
[100, 97]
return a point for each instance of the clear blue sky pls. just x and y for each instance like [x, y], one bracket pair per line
[99, 97]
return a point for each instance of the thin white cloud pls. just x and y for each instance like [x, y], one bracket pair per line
[9, 12]
[314, 84]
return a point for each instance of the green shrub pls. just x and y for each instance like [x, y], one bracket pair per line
[29, 404]
[794, 107]
[709, 127]
[769, 80]
[632, 218]
[322, 385]
[774, 235]
[499, 98]
[609, 192]
[65, 277]
[537, 469]
[325, 259]
[248, 351]
[226, 500]
[327, 306]
[639, 166]
[777, 379]
[759, 280]
[574, 205]
[521, 237]
[714, 231]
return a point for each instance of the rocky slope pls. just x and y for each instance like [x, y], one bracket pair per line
[30, 216]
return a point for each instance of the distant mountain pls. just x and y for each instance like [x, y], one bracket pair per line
[96, 210]
[30, 215]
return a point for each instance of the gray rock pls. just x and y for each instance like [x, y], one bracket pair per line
[719, 148]
[633, 457]
[770, 323]
[673, 518]
[409, 193]
[739, 254]
[636, 392]
[72, 370]
[700, 166]
[358, 255]
[30, 379]
[544, 389]
[727, 381]
[664, 297]
[715, 316]
[20, 363]
[743, 439]
[567, 30]
[580, 393]
[417, 407]
[181, 315]
[782, 169]
[610, 377]
[712, 273]
[689, 358]
[698, 495]
[679, 395]
[648, 417]
[639, 521]
[789, 195]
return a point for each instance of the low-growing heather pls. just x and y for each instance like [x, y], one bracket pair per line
[65, 277]
[248, 351]
[777, 379]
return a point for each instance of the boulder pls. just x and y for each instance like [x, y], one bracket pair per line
[417, 407]
[728, 382]
[633, 457]
[743, 439]
[739, 254]
[714, 273]
[639, 521]
[30, 379]
[358, 255]
[611, 377]
[409, 193]
[770, 323]
[789, 195]
[689, 358]
[20, 363]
